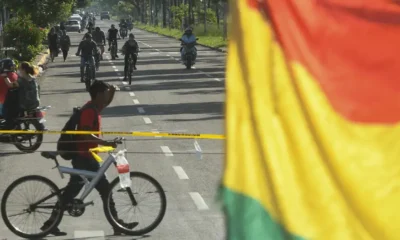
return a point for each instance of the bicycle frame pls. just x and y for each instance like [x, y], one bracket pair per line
[84, 174]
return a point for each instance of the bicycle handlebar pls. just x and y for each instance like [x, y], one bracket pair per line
[119, 140]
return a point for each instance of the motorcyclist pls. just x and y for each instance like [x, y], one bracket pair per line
[130, 24]
[123, 26]
[113, 34]
[89, 51]
[187, 38]
[130, 48]
[100, 39]
[28, 91]
[83, 23]
[7, 66]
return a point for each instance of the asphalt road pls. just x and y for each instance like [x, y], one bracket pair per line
[164, 96]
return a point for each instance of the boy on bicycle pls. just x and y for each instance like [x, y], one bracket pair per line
[130, 48]
[89, 51]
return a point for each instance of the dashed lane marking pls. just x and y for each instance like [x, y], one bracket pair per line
[140, 110]
[198, 200]
[167, 151]
[180, 172]
[147, 120]
[135, 101]
[132, 94]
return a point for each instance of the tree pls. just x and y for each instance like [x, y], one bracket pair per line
[43, 12]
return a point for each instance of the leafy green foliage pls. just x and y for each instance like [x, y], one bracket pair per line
[43, 12]
[122, 9]
[25, 36]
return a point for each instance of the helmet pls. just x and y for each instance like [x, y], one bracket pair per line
[188, 30]
[7, 64]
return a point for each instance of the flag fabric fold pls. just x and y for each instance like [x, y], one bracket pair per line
[312, 112]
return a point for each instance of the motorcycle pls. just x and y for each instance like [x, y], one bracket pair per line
[190, 53]
[36, 118]
[124, 33]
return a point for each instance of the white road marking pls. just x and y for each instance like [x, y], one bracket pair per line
[114, 66]
[140, 110]
[116, 70]
[135, 101]
[128, 88]
[180, 172]
[147, 120]
[168, 55]
[88, 234]
[217, 79]
[120, 77]
[167, 151]
[132, 94]
[125, 83]
[194, 67]
[154, 53]
[198, 200]
[157, 50]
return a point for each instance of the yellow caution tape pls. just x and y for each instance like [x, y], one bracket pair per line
[134, 134]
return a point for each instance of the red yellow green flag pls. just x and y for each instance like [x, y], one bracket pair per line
[312, 113]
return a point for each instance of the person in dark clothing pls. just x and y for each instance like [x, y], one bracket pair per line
[90, 120]
[112, 35]
[90, 27]
[89, 50]
[52, 39]
[130, 48]
[65, 43]
[100, 39]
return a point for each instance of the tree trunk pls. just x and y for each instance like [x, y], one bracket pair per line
[164, 14]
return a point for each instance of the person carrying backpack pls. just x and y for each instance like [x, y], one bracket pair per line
[65, 44]
[27, 90]
[72, 148]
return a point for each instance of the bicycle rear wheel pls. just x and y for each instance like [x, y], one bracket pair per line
[46, 206]
[129, 193]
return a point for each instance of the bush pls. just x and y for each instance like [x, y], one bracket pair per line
[26, 37]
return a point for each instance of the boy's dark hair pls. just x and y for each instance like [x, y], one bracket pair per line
[97, 87]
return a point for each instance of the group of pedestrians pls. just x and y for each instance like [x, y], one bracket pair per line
[58, 40]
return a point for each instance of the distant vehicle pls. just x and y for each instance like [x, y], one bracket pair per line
[73, 26]
[76, 16]
[78, 11]
[105, 15]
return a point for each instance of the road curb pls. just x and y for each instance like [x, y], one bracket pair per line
[160, 34]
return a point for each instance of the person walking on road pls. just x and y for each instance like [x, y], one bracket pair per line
[65, 44]
[101, 95]
[52, 39]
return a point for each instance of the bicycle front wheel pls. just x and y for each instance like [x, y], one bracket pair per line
[130, 202]
[34, 213]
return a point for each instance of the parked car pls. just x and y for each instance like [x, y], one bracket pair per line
[73, 26]
[105, 15]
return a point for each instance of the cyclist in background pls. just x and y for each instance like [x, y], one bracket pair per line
[100, 39]
[113, 35]
[130, 48]
[89, 50]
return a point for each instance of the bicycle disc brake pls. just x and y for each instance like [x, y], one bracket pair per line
[77, 209]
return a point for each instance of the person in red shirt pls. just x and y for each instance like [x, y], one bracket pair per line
[8, 66]
[90, 120]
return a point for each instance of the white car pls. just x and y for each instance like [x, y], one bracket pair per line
[76, 16]
[73, 26]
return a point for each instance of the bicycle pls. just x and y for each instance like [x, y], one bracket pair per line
[87, 73]
[78, 206]
[130, 68]
[113, 49]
